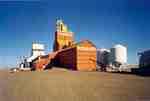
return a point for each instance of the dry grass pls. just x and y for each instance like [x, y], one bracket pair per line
[64, 85]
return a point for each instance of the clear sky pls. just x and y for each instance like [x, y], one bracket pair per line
[104, 22]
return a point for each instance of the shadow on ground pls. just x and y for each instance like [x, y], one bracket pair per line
[145, 72]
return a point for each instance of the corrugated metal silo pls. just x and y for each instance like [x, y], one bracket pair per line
[118, 55]
[103, 56]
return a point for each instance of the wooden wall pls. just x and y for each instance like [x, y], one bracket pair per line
[86, 59]
[67, 58]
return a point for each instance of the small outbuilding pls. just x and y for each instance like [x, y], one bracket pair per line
[43, 62]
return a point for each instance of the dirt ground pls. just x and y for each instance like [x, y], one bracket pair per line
[66, 85]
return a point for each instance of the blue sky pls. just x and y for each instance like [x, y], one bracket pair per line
[104, 22]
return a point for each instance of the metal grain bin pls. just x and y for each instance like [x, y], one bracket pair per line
[102, 58]
[118, 55]
[144, 60]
